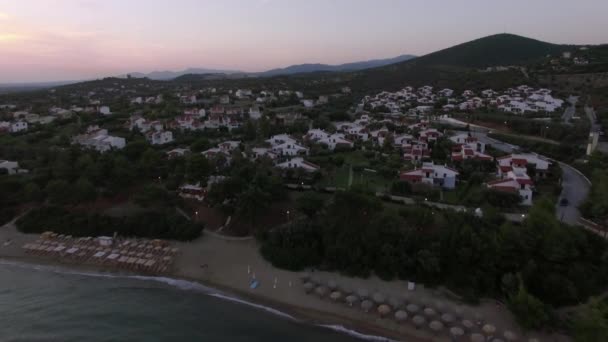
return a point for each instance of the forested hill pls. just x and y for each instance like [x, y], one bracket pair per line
[459, 64]
[495, 50]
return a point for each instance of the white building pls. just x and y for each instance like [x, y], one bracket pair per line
[18, 126]
[299, 163]
[159, 137]
[12, 167]
[335, 140]
[255, 113]
[431, 174]
[105, 110]
[516, 181]
[515, 162]
[280, 139]
[99, 140]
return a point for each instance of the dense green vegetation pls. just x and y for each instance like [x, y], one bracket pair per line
[496, 50]
[357, 235]
[591, 323]
[596, 205]
[164, 224]
[562, 152]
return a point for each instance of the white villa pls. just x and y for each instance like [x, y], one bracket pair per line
[299, 163]
[436, 175]
[99, 140]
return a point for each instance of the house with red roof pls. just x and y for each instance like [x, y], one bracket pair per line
[430, 134]
[514, 162]
[416, 152]
[435, 175]
[516, 182]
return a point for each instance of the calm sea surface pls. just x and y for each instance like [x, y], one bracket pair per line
[40, 303]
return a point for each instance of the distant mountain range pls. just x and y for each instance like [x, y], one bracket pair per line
[168, 75]
[290, 70]
[307, 68]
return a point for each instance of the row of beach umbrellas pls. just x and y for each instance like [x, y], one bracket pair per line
[421, 316]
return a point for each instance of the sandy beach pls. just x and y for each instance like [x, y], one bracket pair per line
[229, 265]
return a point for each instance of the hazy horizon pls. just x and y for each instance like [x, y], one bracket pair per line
[85, 39]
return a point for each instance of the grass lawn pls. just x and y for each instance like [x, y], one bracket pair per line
[371, 180]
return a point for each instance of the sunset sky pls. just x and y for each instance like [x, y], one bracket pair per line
[44, 40]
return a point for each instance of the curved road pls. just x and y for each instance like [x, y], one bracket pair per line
[575, 186]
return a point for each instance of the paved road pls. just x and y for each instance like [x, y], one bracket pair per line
[571, 110]
[575, 186]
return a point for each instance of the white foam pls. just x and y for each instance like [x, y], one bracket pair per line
[356, 334]
[192, 286]
[258, 306]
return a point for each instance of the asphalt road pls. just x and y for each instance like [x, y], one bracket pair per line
[571, 110]
[575, 186]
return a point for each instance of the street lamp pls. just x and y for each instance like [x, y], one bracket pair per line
[287, 215]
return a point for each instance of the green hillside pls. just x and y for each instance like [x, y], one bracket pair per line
[458, 66]
[495, 50]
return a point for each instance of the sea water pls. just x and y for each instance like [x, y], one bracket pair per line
[43, 303]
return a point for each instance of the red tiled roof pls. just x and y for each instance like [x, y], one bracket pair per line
[520, 161]
[525, 181]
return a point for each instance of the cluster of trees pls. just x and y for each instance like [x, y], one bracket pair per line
[562, 152]
[596, 205]
[540, 261]
[163, 224]
[248, 191]
[550, 130]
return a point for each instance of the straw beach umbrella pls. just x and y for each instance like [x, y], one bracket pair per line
[395, 302]
[436, 326]
[378, 298]
[412, 308]
[332, 285]
[418, 321]
[456, 332]
[447, 318]
[367, 305]
[510, 336]
[488, 329]
[363, 293]
[467, 324]
[430, 312]
[384, 310]
[308, 287]
[321, 291]
[401, 316]
[352, 299]
[335, 296]
[477, 338]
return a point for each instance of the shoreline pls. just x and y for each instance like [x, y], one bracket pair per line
[228, 267]
[359, 329]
